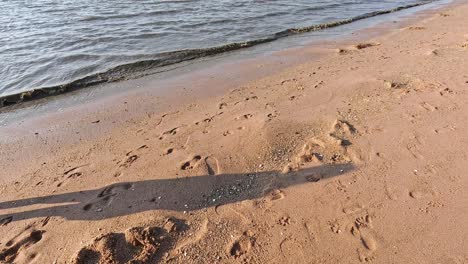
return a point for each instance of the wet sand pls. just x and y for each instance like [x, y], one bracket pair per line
[357, 156]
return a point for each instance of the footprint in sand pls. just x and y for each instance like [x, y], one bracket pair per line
[131, 157]
[145, 244]
[74, 172]
[169, 151]
[434, 52]
[110, 191]
[242, 245]
[227, 133]
[417, 194]
[254, 97]
[17, 246]
[407, 84]
[416, 28]
[212, 165]
[395, 85]
[270, 196]
[413, 149]
[292, 251]
[273, 115]
[276, 194]
[191, 164]
[209, 119]
[365, 256]
[129, 161]
[446, 91]
[284, 221]
[105, 197]
[428, 107]
[170, 132]
[244, 117]
[353, 208]
[362, 229]
[333, 147]
[315, 177]
[222, 105]
[137, 149]
[369, 242]
[342, 126]
[230, 213]
[445, 129]
[311, 228]
[356, 47]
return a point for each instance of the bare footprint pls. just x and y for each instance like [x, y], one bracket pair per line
[9, 254]
[417, 194]
[395, 84]
[292, 251]
[227, 133]
[416, 28]
[212, 165]
[242, 245]
[105, 197]
[170, 132]
[222, 105]
[273, 115]
[428, 107]
[276, 194]
[129, 161]
[145, 244]
[313, 177]
[111, 190]
[191, 164]
[446, 91]
[169, 151]
[368, 241]
[74, 172]
[413, 149]
[246, 116]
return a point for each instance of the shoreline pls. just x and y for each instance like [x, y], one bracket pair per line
[168, 84]
[140, 69]
[355, 156]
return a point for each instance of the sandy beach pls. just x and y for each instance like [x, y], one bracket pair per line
[358, 156]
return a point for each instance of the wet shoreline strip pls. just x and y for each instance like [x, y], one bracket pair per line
[141, 68]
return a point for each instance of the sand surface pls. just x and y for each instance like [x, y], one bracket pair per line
[359, 156]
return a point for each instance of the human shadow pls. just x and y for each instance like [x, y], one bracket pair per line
[180, 194]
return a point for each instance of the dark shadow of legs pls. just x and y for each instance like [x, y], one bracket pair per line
[182, 194]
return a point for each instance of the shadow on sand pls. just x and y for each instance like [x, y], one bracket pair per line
[182, 194]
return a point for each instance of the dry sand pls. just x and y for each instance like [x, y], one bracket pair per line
[360, 156]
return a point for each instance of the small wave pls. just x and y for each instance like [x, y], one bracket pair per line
[124, 16]
[325, 7]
